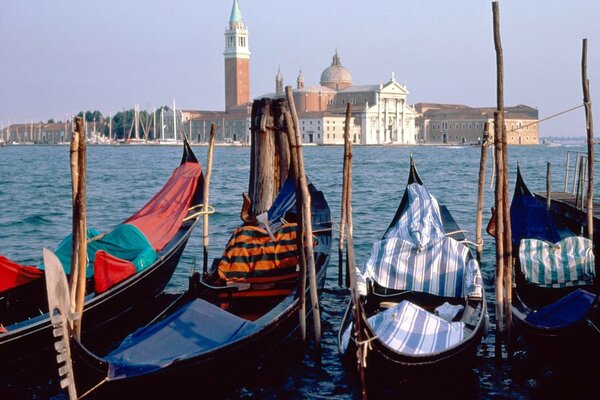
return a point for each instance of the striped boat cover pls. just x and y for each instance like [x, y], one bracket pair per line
[568, 262]
[409, 329]
[416, 255]
[421, 223]
[438, 269]
[252, 256]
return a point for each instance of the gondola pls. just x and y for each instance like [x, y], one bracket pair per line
[555, 298]
[223, 323]
[422, 304]
[128, 266]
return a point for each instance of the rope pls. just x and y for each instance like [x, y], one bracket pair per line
[362, 350]
[547, 118]
[103, 381]
[211, 210]
[455, 232]
[590, 323]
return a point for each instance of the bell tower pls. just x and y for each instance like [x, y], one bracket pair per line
[237, 60]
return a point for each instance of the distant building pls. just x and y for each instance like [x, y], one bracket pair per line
[38, 132]
[460, 124]
[380, 113]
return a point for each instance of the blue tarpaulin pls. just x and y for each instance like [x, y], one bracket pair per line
[196, 328]
[530, 219]
[564, 311]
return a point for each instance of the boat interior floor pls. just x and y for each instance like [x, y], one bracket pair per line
[469, 313]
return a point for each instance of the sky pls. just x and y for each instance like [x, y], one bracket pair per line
[58, 57]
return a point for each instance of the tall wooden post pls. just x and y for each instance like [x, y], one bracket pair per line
[205, 192]
[74, 160]
[282, 145]
[499, 192]
[300, 225]
[485, 143]
[548, 187]
[82, 233]
[307, 231]
[345, 177]
[589, 122]
[262, 173]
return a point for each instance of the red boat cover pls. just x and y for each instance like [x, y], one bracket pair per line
[13, 274]
[110, 270]
[161, 217]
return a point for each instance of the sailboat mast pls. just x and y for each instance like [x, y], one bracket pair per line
[154, 124]
[162, 124]
[174, 122]
[137, 121]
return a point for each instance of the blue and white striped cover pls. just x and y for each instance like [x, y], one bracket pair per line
[415, 254]
[421, 223]
[437, 269]
[409, 329]
[568, 262]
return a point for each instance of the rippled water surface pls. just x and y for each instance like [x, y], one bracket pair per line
[35, 211]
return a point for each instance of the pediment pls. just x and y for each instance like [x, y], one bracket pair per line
[394, 88]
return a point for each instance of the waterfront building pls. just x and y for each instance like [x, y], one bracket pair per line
[380, 112]
[460, 124]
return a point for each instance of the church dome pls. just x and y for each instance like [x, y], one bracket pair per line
[336, 76]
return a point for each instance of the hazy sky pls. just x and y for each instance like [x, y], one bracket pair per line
[62, 56]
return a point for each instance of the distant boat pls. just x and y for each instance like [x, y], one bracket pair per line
[550, 143]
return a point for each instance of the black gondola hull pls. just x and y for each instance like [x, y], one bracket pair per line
[27, 345]
[219, 367]
[106, 315]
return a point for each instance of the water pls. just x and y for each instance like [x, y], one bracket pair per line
[35, 211]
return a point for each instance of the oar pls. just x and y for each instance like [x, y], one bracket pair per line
[211, 145]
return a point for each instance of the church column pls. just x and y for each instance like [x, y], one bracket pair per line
[397, 121]
[385, 120]
[403, 122]
[378, 137]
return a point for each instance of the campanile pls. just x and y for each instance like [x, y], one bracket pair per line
[237, 60]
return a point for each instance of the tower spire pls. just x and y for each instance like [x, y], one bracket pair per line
[237, 60]
[278, 82]
[236, 13]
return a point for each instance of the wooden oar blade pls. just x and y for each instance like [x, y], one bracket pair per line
[59, 309]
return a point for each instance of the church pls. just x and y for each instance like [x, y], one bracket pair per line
[380, 113]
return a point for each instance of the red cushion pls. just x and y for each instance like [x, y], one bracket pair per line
[110, 270]
[13, 274]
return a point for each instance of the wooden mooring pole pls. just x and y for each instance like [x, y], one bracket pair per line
[261, 188]
[307, 221]
[74, 160]
[503, 231]
[587, 101]
[205, 193]
[548, 186]
[344, 205]
[82, 231]
[299, 232]
[350, 257]
[485, 144]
